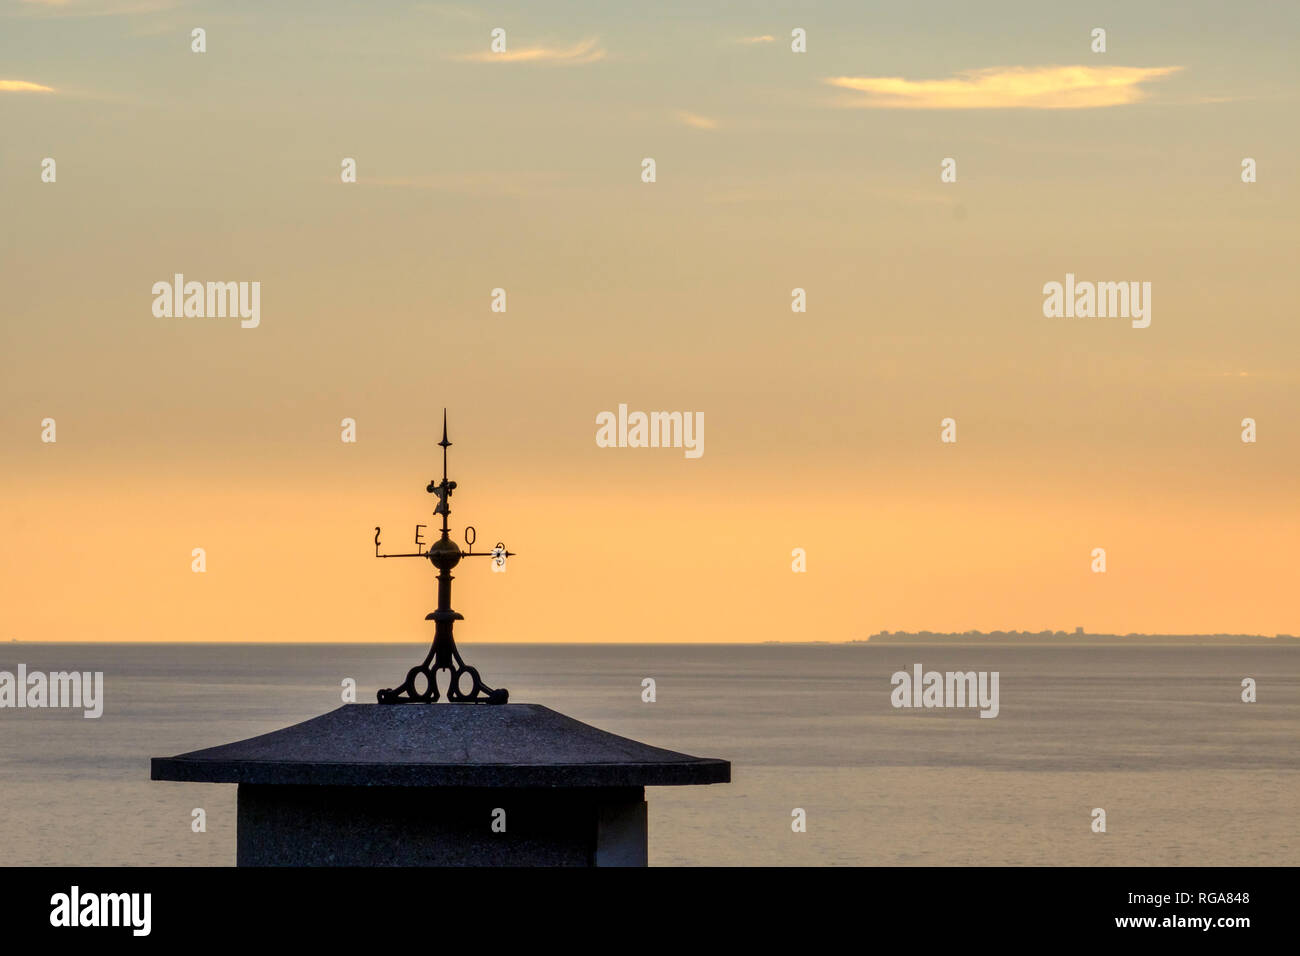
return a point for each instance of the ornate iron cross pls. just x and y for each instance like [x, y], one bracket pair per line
[421, 685]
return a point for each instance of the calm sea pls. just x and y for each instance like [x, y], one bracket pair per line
[1156, 736]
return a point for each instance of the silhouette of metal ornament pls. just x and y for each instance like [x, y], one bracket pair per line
[464, 686]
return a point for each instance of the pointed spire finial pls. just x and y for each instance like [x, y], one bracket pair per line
[444, 443]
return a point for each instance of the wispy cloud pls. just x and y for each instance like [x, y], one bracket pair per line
[452, 10]
[587, 51]
[1016, 87]
[22, 86]
[91, 8]
[765, 38]
[695, 121]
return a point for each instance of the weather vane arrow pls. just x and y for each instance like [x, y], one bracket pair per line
[421, 685]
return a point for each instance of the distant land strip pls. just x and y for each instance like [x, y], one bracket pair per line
[1077, 636]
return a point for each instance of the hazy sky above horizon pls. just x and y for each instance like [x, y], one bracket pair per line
[775, 170]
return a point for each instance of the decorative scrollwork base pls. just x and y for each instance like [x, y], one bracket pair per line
[477, 693]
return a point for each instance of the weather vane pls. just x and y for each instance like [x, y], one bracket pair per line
[444, 554]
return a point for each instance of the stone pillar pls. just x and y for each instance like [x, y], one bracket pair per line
[440, 826]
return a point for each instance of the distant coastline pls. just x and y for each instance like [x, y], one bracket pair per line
[1077, 636]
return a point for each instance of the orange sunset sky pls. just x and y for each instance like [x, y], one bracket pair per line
[775, 170]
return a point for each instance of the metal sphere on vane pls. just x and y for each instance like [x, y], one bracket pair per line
[444, 554]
